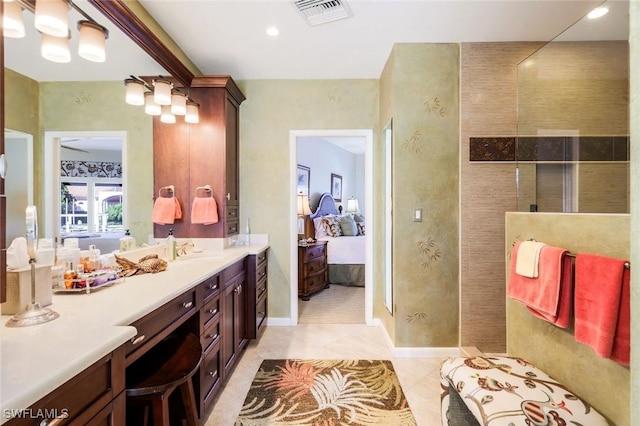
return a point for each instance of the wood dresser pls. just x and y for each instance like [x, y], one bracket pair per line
[313, 274]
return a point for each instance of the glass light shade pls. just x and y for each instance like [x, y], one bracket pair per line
[51, 17]
[135, 92]
[55, 49]
[162, 92]
[92, 41]
[166, 115]
[178, 103]
[303, 205]
[12, 22]
[150, 107]
[193, 114]
[352, 205]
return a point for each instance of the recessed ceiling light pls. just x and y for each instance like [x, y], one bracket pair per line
[598, 12]
[273, 31]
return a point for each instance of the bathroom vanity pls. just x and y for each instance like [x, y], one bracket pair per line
[80, 377]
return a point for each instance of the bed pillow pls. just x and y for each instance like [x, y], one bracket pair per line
[358, 217]
[360, 226]
[321, 231]
[348, 225]
[332, 225]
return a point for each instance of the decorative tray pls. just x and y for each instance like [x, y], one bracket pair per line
[89, 282]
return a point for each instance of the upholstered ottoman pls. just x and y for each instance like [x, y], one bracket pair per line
[505, 391]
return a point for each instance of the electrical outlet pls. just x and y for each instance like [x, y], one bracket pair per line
[417, 215]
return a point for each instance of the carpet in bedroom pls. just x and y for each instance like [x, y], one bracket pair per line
[337, 304]
[325, 392]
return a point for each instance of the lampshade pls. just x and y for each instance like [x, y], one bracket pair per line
[12, 22]
[303, 205]
[178, 103]
[92, 41]
[193, 115]
[352, 205]
[162, 91]
[135, 91]
[55, 49]
[51, 17]
[166, 116]
[150, 106]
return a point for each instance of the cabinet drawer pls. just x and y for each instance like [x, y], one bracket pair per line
[158, 320]
[233, 270]
[232, 213]
[314, 252]
[314, 267]
[211, 334]
[210, 375]
[210, 287]
[261, 288]
[261, 272]
[209, 312]
[316, 282]
[81, 398]
[261, 313]
[261, 257]
[232, 227]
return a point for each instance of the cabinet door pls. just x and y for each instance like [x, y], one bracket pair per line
[232, 175]
[233, 321]
[240, 319]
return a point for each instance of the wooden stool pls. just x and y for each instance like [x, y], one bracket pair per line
[167, 366]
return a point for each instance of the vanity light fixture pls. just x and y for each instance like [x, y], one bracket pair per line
[150, 106]
[193, 112]
[12, 21]
[135, 91]
[178, 103]
[55, 49]
[52, 20]
[162, 91]
[166, 116]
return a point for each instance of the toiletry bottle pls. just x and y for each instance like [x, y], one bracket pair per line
[69, 276]
[171, 243]
[127, 242]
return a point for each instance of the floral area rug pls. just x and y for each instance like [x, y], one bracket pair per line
[325, 393]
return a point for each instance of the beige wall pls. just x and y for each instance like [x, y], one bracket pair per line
[634, 41]
[273, 108]
[488, 108]
[601, 382]
[425, 98]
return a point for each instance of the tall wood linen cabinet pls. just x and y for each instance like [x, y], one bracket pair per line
[189, 156]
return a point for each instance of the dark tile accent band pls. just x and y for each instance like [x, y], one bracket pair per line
[550, 148]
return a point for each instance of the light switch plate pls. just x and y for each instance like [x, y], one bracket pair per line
[417, 215]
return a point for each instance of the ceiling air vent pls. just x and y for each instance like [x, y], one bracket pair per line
[318, 12]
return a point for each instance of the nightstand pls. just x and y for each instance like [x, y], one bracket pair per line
[313, 274]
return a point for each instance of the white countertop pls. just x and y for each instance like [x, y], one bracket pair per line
[38, 359]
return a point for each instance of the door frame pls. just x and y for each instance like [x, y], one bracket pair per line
[367, 134]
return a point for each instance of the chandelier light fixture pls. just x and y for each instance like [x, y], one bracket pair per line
[51, 19]
[160, 98]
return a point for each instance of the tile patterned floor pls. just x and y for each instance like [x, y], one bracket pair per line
[419, 377]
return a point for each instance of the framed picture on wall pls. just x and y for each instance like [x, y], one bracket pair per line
[304, 180]
[336, 187]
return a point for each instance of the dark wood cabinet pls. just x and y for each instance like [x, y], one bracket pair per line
[257, 282]
[94, 397]
[312, 269]
[234, 302]
[3, 200]
[189, 156]
[208, 294]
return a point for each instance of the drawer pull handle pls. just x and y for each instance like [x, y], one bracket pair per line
[213, 311]
[213, 373]
[53, 422]
[137, 339]
[213, 336]
[233, 213]
[228, 196]
[262, 274]
[187, 305]
[262, 289]
[261, 313]
[213, 286]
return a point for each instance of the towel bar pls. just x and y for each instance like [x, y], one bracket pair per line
[626, 264]
[204, 188]
[170, 188]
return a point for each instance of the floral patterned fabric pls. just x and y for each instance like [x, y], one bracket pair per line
[506, 391]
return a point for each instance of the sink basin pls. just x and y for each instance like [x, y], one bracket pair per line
[202, 255]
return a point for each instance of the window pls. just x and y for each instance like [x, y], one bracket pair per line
[90, 205]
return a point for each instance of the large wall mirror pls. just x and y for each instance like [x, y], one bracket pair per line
[85, 139]
[573, 119]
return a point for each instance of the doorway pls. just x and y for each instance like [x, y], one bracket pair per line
[367, 136]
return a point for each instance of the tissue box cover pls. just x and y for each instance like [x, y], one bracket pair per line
[19, 289]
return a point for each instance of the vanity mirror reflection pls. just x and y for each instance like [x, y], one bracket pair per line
[573, 119]
[73, 109]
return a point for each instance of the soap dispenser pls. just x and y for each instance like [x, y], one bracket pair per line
[172, 245]
[127, 242]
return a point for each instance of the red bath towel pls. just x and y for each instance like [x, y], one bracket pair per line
[621, 351]
[599, 287]
[549, 295]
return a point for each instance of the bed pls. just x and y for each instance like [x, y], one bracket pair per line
[345, 253]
